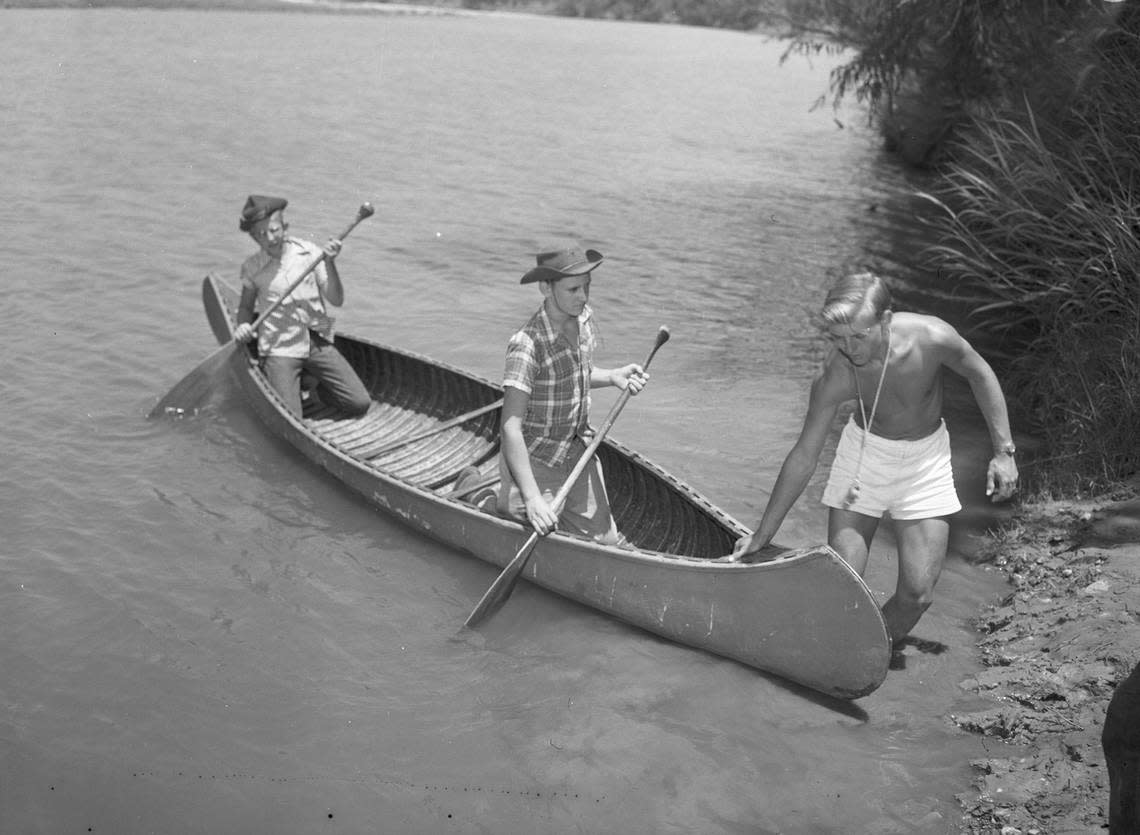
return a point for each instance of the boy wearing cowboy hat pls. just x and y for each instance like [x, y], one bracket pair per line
[549, 373]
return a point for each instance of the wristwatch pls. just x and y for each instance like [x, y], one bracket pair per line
[1006, 449]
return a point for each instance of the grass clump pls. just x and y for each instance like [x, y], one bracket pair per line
[1039, 226]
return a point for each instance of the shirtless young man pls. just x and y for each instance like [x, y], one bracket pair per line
[892, 364]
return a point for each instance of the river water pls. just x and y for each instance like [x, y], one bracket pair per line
[200, 633]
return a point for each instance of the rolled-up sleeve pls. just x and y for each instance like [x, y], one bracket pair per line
[521, 366]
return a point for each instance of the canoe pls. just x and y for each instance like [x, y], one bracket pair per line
[800, 614]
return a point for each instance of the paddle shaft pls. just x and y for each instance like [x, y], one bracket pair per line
[568, 485]
[599, 436]
[365, 211]
[501, 589]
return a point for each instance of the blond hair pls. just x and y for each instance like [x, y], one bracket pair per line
[853, 294]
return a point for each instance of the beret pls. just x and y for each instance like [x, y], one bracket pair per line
[259, 207]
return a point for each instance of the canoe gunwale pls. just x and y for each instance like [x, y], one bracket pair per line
[611, 551]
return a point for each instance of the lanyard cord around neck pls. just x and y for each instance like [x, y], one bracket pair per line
[874, 405]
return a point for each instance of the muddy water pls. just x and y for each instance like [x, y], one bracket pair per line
[203, 634]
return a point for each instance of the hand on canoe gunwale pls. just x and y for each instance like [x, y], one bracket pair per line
[746, 547]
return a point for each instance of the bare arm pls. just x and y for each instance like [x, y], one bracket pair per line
[1001, 475]
[538, 510]
[827, 392]
[333, 288]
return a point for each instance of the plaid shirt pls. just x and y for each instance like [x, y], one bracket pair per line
[556, 375]
[286, 332]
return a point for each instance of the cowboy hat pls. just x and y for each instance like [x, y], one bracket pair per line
[559, 262]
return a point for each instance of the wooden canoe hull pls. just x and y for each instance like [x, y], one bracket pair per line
[803, 615]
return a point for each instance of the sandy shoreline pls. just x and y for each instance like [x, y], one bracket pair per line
[1054, 651]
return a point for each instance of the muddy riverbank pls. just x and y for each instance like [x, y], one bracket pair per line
[1054, 650]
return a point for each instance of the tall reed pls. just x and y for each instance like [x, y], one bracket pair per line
[1041, 228]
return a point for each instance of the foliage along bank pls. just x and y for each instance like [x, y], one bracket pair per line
[1025, 112]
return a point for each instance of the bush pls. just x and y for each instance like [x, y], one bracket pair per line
[1043, 231]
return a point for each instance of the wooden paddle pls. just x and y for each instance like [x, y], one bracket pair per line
[195, 385]
[504, 584]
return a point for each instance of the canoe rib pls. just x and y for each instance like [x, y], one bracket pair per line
[804, 615]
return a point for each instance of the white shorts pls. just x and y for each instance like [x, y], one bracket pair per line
[908, 479]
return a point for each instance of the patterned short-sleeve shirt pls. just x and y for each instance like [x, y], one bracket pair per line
[286, 332]
[556, 375]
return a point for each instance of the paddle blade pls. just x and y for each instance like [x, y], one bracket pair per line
[504, 584]
[193, 389]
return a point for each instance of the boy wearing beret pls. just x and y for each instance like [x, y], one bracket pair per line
[298, 336]
[549, 373]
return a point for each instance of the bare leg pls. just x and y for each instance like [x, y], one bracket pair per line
[922, 547]
[850, 534]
